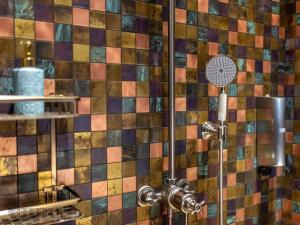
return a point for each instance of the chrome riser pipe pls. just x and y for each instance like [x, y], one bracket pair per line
[171, 100]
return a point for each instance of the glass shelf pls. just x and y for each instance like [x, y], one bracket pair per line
[59, 207]
[51, 98]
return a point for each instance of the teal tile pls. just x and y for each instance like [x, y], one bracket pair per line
[223, 49]
[63, 33]
[6, 86]
[156, 104]
[203, 34]
[192, 18]
[250, 127]
[242, 2]
[296, 207]
[113, 6]
[142, 73]
[48, 66]
[99, 205]
[230, 219]
[267, 54]
[241, 64]
[97, 54]
[275, 31]
[114, 138]
[251, 27]
[143, 151]
[156, 43]
[240, 153]
[128, 23]
[128, 105]
[203, 170]
[99, 172]
[202, 158]
[259, 78]
[129, 200]
[275, 8]
[298, 19]
[211, 210]
[213, 103]
[279, 204]
[24, 9]
[232, 90]
[180, 59]
[213, 7]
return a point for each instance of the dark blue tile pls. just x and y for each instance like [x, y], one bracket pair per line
[65, 142]
[114, 105]
[142, 167]
[44, 11]
[84, 191]
[129, 215]
[128, 137]
[81, 3]
[97, 36]
[65, 159]
[129, 153]
[98, 156]
[82, 123]
[63, 51]
[43, 126]
[143, 151]
[27, 145]
[128, 72]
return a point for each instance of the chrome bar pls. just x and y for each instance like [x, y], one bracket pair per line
[171, 83]
[221, 141]
[53, 152]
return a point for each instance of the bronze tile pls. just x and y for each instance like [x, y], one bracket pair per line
[82, 175]
[128, 56]
[114, 121]
[114, 88]
[114, 21]
[98, 139]
[113, 38]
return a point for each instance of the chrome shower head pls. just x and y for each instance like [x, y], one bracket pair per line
[221, 70]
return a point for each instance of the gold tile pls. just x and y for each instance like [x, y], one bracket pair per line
[180, 132]
[81, 52]
[97, 19]
[114, 187]
[142, 89]
[142, 136]
[84, 221]
[128, 40]
[98, 139]
[142, 213]
[114, 88]
[129, 168]
[82, 157]
[141, 8]
[8, 166]
[82, 140]
[114, 170]
[24, 28]
[63, 2]
[180, 30]
[155, 179]
[44, 179]
[85, 207]
[82, 175]
[26, 127]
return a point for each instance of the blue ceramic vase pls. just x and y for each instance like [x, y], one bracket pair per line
[29, 81]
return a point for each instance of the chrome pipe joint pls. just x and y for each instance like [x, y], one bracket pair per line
[211, 131]
[179, 197]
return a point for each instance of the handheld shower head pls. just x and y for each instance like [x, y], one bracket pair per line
[221, 71]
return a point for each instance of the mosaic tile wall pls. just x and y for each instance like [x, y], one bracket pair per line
[113, 54]
[291, 202]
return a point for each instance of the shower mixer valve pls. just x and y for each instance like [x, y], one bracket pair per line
[180, 197]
